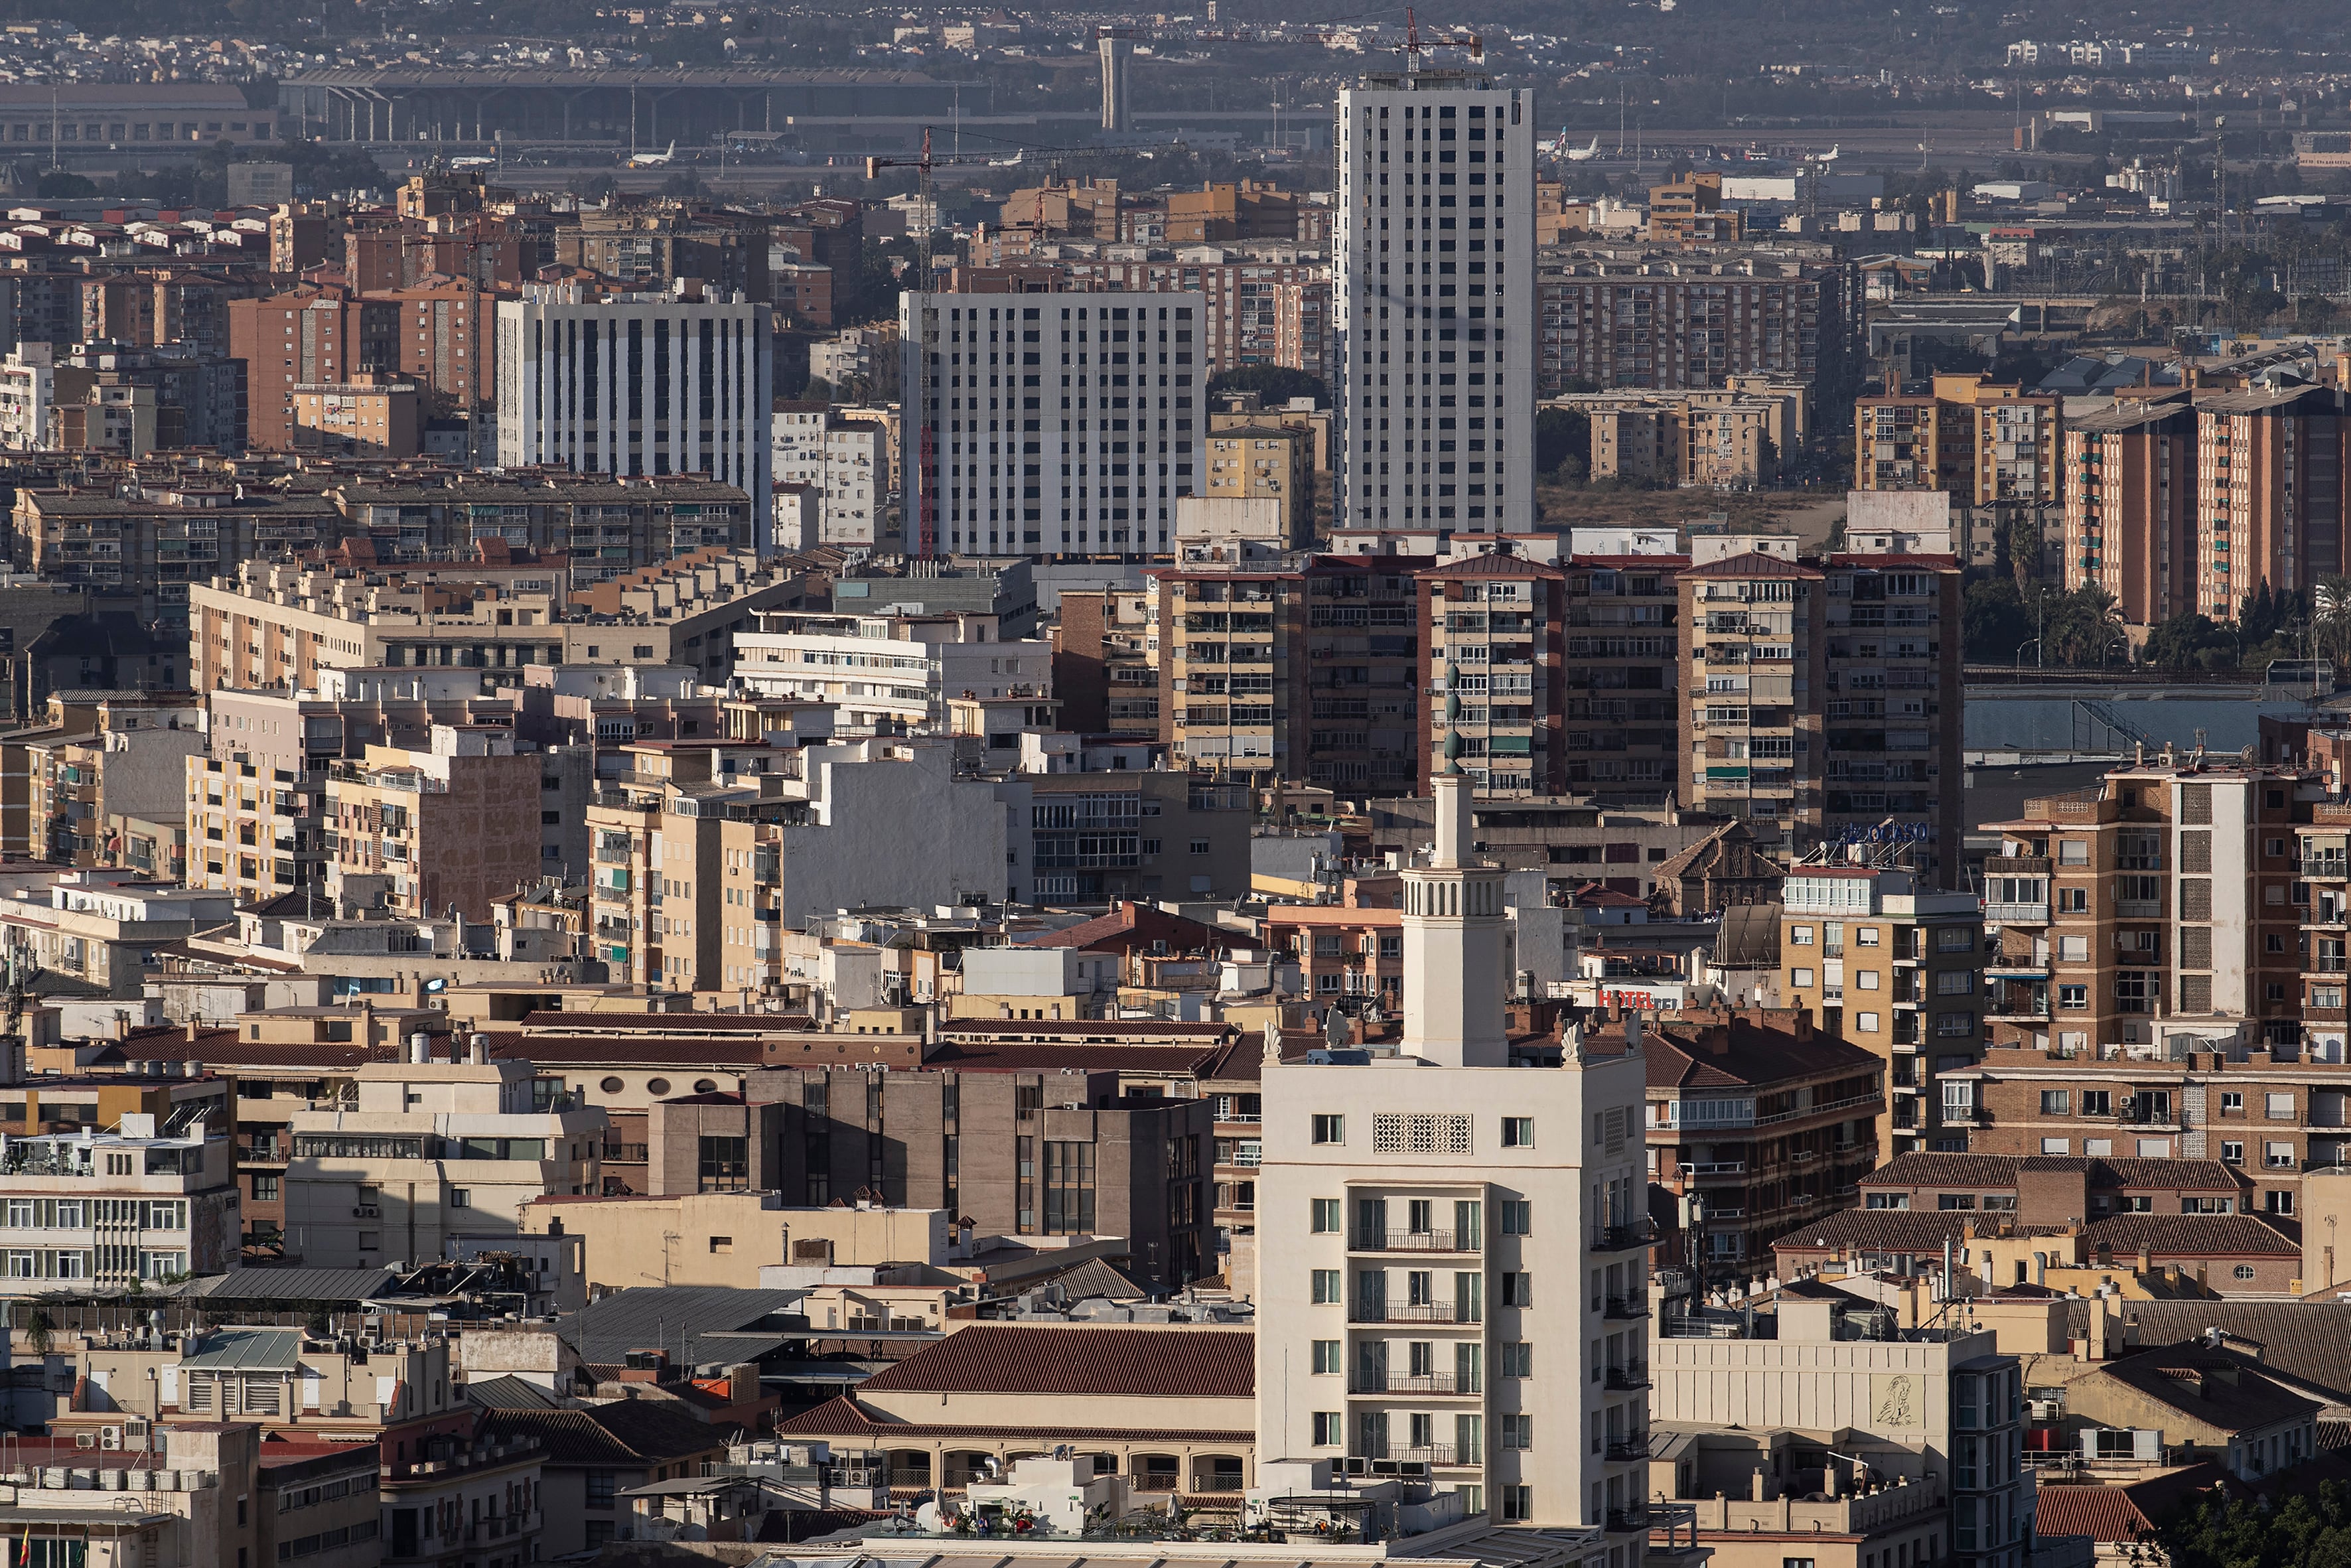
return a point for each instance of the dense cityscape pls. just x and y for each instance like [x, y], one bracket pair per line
[1539, 787]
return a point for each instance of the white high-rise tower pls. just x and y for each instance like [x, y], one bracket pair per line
[1453, 1269]
[1434, 307]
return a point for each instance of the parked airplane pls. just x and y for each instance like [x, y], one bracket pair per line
[653, 160]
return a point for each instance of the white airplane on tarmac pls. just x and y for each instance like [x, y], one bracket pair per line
[653, 160]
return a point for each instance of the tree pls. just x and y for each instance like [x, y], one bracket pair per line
[1563, 435]
[1274, 384]
[2331, 610]
[1993, 623]
[2184, 642]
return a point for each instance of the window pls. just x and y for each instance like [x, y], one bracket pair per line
[2054, 1145]
[2070, 851]
[1799, 936]
[2232, 1153]
[1518, 1504]
[1518, 1216]
[2232, 1104]
[1515, 1432]
[1330, 1129]
[1330, 1355]
[1801, 979]
[2278, 1157]
[1518, 1357]
[1866, 1022]
[1326, 1216]
[1955, 983]
[1518, 1289]
[1865, 979]
[461, 1197]
[1326, 1287]
[725, 1165]
[264, 1189]
[2076, 996]
[1518, 1131]
[2278, 1107]
[2243, 1272]
[1199, 846]
[1329, 1428]
[2097, 1103]
[2056, 1102]
[601, 1487]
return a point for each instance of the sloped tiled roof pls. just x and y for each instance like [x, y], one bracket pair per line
[1927, 1169]
[2190, 1235]
[1680, 1056]
[1023, 1056]
[842, 1416]
[1130, 924]
[2302, 1340]
[626, 1432]
[2102, 1514]
[507, 1392]
[1491, 563]
[1754, 564]
[628, 1048]
[1053, 1358]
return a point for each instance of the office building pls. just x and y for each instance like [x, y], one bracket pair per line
[1065, 425]
[638, 383]
[1452, 1241]
[1434, 263]
[1874, 956]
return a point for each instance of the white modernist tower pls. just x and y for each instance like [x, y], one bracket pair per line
[638, 383]
[1049, 424]
[1452, 1274]
[1434, 307]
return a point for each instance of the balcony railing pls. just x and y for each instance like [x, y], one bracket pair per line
[1628, 1306]
[1403, 1313]
[2016, 914]
[1636, 1447]
[1409, 1242]
[1624, 1238]
[1634, 1518]
[1408, 1382]
[1626, 1375]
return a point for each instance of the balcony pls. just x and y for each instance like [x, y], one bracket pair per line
[1409, 1242]
[1627, 1377]
[1623, 1449]
[1623, 1519]
[1627, 1307]
[1964, 1116]
[2138, 908]
[1403, 1313]
[1409, 1383]
[1715, 1170]
[2016, 865]
[2016, 914]
[1624, 1238]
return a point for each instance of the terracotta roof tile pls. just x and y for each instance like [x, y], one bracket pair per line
[1753, 565]
[2197, 1388]
[842, 1417]
[1009, 1358]
[1679, 1056]
[2102, 1514]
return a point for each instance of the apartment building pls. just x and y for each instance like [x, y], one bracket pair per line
[1615, 319]
[1423, 454]
[285, 625]
[1984, 441]
[1622, 676]
[1452, 1241]
[1103, 671]
[1109, 837]
[1757, 1123]
[83, 784]
[595, 527]
[1879, 957]
[146, 1203]
[417, 830]
[842, 460]
[103, 928]
[2270, 493]
[1495, 647]
[431, 1149]
[158, 543]
[639, 384]
[1831, 697]
[2158, 901]
[888, 670]
[1330, 695]
[1269, 462]
[2131, 505]
[1717, 443]
[1099, 463]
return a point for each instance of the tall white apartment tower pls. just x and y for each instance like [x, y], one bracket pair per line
[1452, 1275]
[628, 383]
[1435, 308]
[1049, 424]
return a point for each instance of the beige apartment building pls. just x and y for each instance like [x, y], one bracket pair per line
[1269, 462]
[142, 1203]
[723, 1238]
[104, 928]
[277, 625]
[432, 1150]
[419, 831]
[1984, 441]
[1896, 969]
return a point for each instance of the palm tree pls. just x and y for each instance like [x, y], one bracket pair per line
[2331, 607]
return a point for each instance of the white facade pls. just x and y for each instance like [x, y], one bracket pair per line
[839, 459]
[1452, 1253]
[28, 389]
[1041, 424]
[1435, 312]
[877, 668]
[637, 383]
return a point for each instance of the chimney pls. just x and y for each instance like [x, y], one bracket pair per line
[2097, 1328]
[478, 1049]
